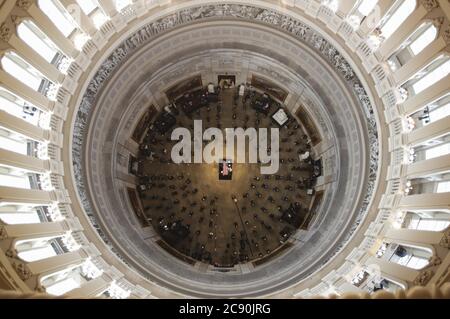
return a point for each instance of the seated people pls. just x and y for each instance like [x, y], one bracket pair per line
[211, 88]
[241, 90]
[226, 84]
[262, 104]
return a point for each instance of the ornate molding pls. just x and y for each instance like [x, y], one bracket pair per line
[3, 233]
[437, 22]
[446, 34]
[429, 4]
[5, 32]
[423, 278]
[22, 270]
[272, 18]
[434, 261]
[445, 241]
[11, 253]
[24, 4]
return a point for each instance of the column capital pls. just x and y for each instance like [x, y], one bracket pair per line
[446, 34]
[25, 4]
[445, 241]
[429, 5]
[6, 31]
[424, 277]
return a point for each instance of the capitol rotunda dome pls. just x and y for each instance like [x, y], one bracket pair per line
[95, 96]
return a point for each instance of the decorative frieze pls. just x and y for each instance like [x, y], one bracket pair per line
[429, 4]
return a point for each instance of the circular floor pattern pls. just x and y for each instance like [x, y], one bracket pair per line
[225, 222]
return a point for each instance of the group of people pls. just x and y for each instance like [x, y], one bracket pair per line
[225, 226]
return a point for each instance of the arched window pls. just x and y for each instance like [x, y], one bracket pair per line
[87, 6]
[63, 286]
[22, 70]
[426, 220]
[14, 142]
[20, 214]
[64, 281]
[398, 16]
[434, 111]
[443, 187]
[12, 177]
[411, 257]
[361, 12]
[36, 249]
[421, 41]
[432, 77]
[439, 113]
[58, 15]
[37, 253]
[37, 40]
[28, 75]
[14, 105]
[64, 22]
[415, 44]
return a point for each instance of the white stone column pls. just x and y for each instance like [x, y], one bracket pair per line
[421, 202]
[428, 167]
[369, 24]
[21, 126]
[48, 70]
[85, 23]
[24, 91]
[44, 23]
[431, 131]
[414, 20]
[29, 163]
[34, 231]
[25, 196]
[413, 236]
[431, 52]
[431, 94]
[57, 263]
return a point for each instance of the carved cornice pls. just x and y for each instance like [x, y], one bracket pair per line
[429, 5]
[445, 241]
[434, 261]
[24, 4]
[437, 22]
[3, 233]
[17, 19]
[22, 270]
[446, 34]
[11, 253]
[5, 32]
[423, 278]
